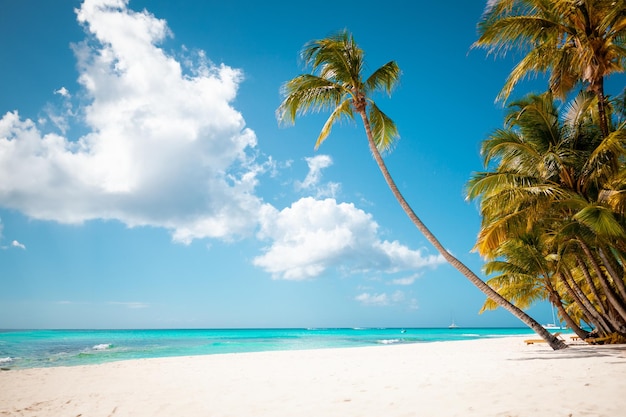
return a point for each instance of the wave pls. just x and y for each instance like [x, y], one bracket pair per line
[8, 359]
[102, 346]
[388, 341]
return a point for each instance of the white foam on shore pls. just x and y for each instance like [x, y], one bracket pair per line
[8, 359]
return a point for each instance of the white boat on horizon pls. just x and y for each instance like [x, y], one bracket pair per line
[553, 325]
[453, 325]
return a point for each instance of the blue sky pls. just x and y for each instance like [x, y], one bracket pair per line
[145, 182]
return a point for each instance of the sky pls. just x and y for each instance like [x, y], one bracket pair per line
[146, 183]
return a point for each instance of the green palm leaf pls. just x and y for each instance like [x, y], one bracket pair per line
[343, 110]
[383, 128]
[601, 221]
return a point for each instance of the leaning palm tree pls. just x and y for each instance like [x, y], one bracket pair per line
[577, 41]
[336, 83]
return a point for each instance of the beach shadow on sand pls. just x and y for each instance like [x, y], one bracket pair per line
[578, 352]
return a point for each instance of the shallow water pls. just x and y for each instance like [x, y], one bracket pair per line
[43, 348]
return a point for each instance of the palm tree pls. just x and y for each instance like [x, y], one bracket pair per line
[580, 41]
[523, 271]
[551, 176]
[336, 83]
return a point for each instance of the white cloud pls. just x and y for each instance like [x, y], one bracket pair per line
[312, 180]
[316, 164]
[384, 299]
[165, 147]
[17, 244]
[373, 299]
[313, 235]
[63, 92]
[14, 243]
[406, 280]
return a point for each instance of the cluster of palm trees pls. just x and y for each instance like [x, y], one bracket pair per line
[553, 198]
[563, 30]
[552, 207]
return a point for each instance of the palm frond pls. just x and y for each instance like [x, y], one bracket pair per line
[503, 144]
[488, 184]
[384, 78]
[501, 35]
[384, 129]
[336, 58]
[520, 289]
[604, 162]
[565, 74]
[601, 221]
[343, 110]
[308, 93]
[577, 110]
[537, 61]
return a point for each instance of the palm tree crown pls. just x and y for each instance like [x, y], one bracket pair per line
[578, 41]
[336, 84]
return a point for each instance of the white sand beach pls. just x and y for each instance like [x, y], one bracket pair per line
[494, 377]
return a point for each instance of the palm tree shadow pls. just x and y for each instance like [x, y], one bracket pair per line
[580, 352]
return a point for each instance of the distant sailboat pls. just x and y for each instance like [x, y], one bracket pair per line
[453, 325]
[553, 325]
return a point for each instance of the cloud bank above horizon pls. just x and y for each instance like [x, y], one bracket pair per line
[166, 148]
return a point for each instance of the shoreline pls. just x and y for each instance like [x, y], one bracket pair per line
[45, 348]
[487, 377]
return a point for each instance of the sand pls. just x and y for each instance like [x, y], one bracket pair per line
[494, 377]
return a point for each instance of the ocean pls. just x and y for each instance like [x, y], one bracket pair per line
[21, 349]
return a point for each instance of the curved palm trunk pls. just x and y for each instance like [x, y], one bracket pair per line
[589, 312]
[592, 286]
[617, 279]
[606, 287]
[583, 334]
[555, 299]
[553, 341]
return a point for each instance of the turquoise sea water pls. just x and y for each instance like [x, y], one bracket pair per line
[43, 348]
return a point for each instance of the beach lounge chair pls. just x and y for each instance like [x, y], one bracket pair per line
[531, 341]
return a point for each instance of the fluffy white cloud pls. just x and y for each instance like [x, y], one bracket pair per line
[313, 235]
[312, 180]
[18, 245]
[165, 147]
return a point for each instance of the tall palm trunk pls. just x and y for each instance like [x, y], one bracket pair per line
[614, 301]
[589, 312]
[554, 342]
[583, 334]
[592, 286]
[598, 89]
[617, 279]
[555, 299]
